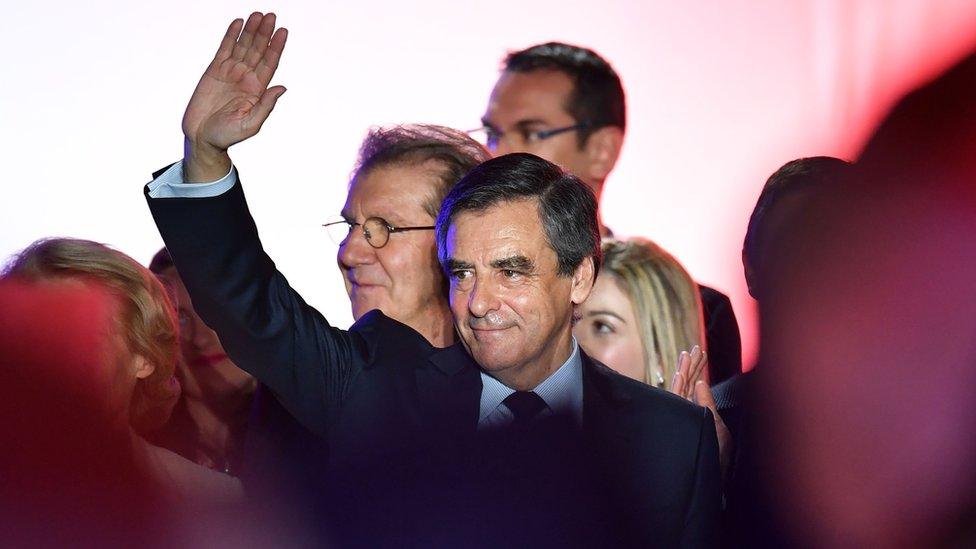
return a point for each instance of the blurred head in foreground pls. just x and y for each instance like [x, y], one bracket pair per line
[139, 349]
[644, 310]
[88, 343]
[869, 334]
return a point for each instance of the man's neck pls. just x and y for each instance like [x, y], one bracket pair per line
[437, 327]
[530, 375]
[597, 187]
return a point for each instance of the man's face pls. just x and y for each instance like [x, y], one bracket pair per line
[529, 101]
[512, 310]
[403, 278]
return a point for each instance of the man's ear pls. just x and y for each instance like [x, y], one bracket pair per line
[602, 150]
[583, 279]
[750, 275]
[142, 367]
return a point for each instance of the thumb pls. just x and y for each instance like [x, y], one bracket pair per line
[703, 396]
[261, 111]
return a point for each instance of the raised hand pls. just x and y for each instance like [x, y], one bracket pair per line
[686, 384]
[232, 99]
[690, 368]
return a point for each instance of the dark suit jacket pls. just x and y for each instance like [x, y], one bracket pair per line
[398, 417]
[721, 335]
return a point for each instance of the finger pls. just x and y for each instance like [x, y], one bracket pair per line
[244, 42]
[260, 111]
[698, 361]
[269, 62]
[687, 369]
[230, 38]
[703, 396]
[261, 39]
[680, 374]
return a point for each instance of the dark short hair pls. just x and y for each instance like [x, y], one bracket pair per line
[567, 206]
[597, 98]
[794, 177]
[161, 261]
[415, 144]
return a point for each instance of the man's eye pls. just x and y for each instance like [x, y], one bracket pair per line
[508, 273]
[460, 275]
[529, 136]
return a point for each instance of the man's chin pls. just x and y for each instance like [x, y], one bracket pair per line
[362, 306]
[492, 360]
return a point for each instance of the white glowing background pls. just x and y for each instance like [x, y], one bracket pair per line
[720, 95]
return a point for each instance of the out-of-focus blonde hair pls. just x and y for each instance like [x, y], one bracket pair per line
[147, 318]
[666, 302]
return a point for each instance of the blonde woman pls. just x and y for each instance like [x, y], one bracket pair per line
[644, 319]
[644, 311]
[128, 373]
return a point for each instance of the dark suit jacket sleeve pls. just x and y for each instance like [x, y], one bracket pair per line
[264, 325]
[701, 520]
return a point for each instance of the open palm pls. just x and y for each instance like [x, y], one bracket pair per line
[233, 100]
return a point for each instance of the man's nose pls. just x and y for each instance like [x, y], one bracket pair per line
[482, 299]
[355, 250]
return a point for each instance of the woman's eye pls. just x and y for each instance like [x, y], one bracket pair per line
[602, 328]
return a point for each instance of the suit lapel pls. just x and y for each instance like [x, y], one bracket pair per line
[604, 409]
[450, 392]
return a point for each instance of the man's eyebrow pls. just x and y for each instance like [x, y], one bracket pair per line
[452, 264]
[607, 313]
[514, 263]
[522, 124]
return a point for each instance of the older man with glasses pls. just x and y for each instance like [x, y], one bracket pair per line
[386, 252]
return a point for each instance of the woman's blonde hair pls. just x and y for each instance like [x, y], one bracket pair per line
[666, 302]
[147, 319]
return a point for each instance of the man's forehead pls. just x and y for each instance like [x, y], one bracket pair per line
[394, 189]
[528, 95]
[506, 229]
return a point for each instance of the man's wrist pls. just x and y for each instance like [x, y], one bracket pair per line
[204, 163]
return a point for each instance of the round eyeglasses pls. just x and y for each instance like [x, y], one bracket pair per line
[376, 230]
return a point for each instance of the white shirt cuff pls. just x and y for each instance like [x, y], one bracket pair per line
[171, 184]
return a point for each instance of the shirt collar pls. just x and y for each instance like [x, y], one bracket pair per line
[562, 390]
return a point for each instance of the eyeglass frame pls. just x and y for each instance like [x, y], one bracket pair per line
[529, 136]
[390, 229]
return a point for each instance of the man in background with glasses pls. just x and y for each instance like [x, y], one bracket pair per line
[386, 249]
[566, 104]
[385, 230]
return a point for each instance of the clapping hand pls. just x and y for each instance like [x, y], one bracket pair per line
[232, 99]
[687, 384]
